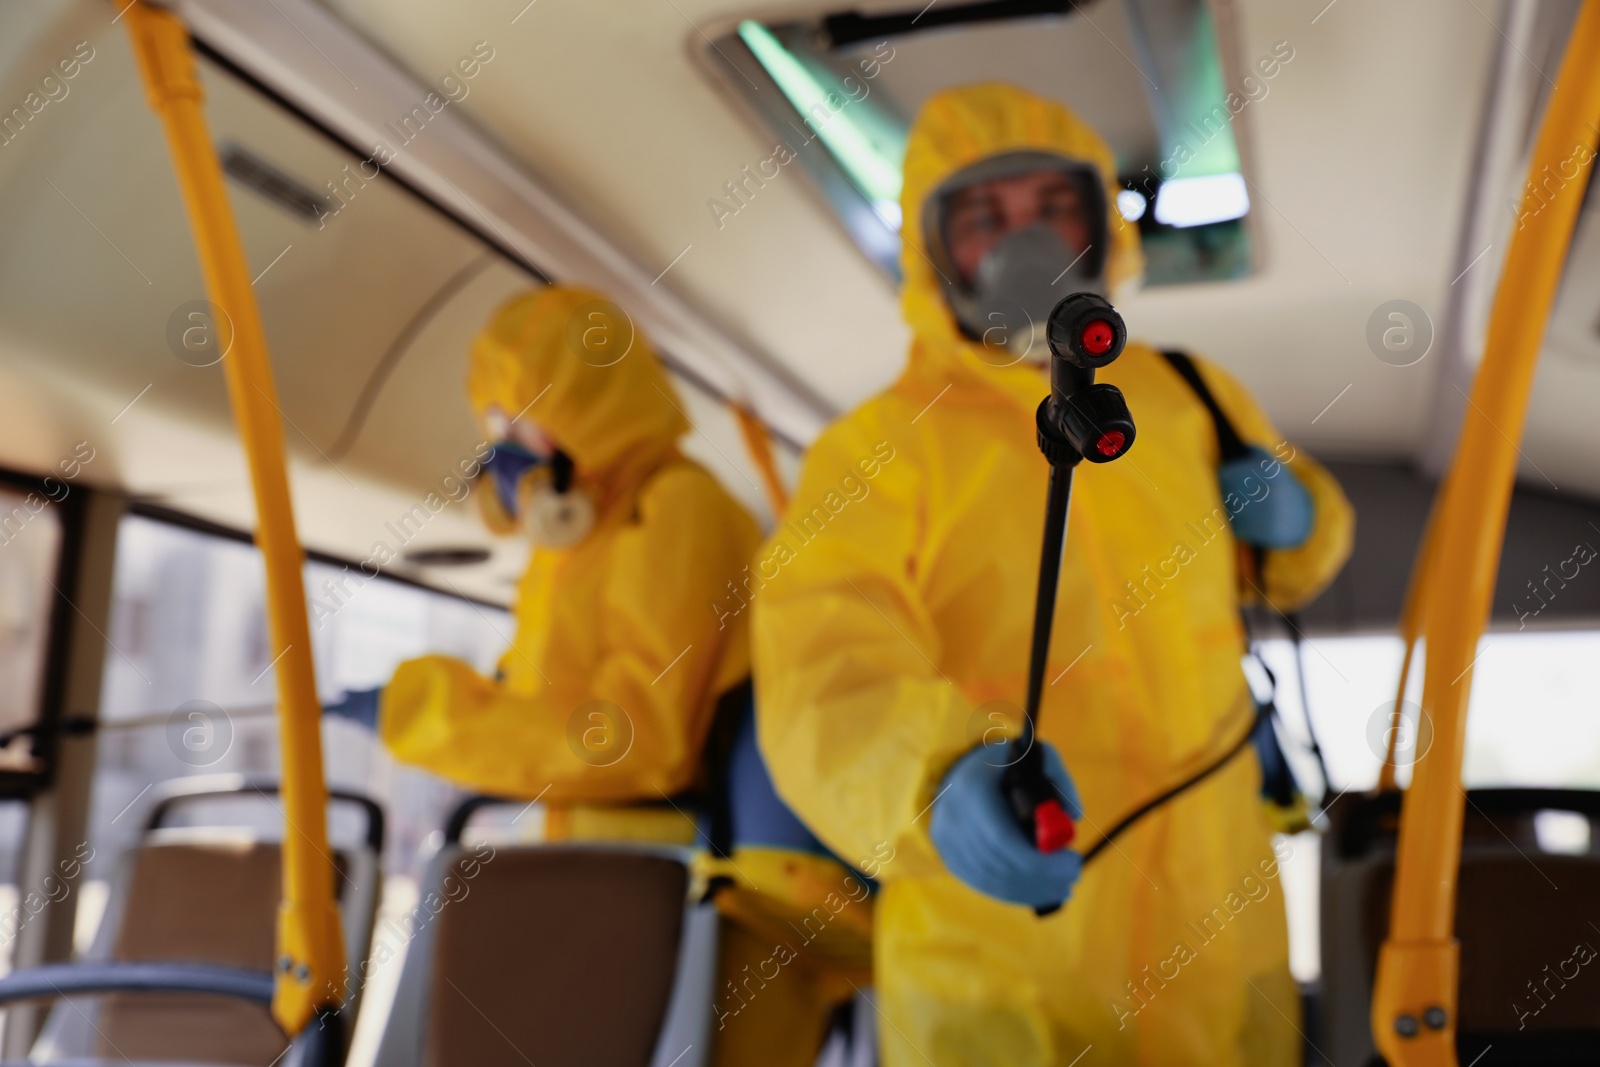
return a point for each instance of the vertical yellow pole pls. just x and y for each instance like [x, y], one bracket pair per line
[310, 950]
[1414, 1003]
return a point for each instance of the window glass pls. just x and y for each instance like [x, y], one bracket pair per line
[1531, 718]
[13, 827]
[189, 685]
[30, 549]
[30, 546]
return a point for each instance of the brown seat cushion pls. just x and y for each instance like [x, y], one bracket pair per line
[558, 957]
[197, 902]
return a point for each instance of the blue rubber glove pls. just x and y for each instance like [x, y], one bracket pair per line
[1269, 510]
[981, 842]
[359, 706]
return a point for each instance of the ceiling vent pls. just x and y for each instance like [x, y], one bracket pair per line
[266, 180]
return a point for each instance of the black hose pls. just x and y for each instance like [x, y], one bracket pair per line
[1127, 821]
[1305, 701]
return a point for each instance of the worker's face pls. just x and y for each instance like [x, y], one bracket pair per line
[521, 431]
[984, 213]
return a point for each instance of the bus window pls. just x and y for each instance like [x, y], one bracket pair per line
[30, 544]
[1528, 688]
[30, 548]
[188, 686]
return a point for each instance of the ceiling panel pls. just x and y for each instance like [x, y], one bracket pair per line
[1361, 152]
[381, 298]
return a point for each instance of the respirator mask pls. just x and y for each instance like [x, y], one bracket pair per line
[535, 496]
[1006, 305]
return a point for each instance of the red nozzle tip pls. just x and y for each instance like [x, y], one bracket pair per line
[1110, 443]
[1097, 337]
[1053, 829]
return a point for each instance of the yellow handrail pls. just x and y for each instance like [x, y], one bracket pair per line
[758, 440]
[310, 972]
[1414, 1001]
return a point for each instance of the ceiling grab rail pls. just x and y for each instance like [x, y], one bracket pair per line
[1415, 995]
[310, 954]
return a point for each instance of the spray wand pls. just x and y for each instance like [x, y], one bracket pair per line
[1079, 420]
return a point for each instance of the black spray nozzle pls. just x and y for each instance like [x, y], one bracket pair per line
[1097, 422]
[1086, 331]
[1080, 419]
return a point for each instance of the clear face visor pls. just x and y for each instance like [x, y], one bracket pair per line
[1007, 299]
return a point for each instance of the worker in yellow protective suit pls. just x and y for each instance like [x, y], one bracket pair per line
[611, 682]
[603, 704]
[892, 632]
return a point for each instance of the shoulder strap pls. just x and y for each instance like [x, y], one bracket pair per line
[1232, 446]
[1229, 443]
[717, 804]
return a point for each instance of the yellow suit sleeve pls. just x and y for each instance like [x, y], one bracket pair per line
[1295, 576]
[633, 726]
[856, 722]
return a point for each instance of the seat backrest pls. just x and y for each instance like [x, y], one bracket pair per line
[198, 896]
[202, 903]
[1524, 948]
[1522, 918]
[569, 955]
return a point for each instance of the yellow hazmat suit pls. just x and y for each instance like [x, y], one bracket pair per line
[624, 643]
[610, 684]
[893, 629]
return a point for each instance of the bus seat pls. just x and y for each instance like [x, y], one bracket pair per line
[570, 954]
[1521, 916]
[229, 920]
[205, 894]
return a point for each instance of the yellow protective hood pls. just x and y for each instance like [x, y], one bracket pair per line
[578, 365]
[955, 129]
